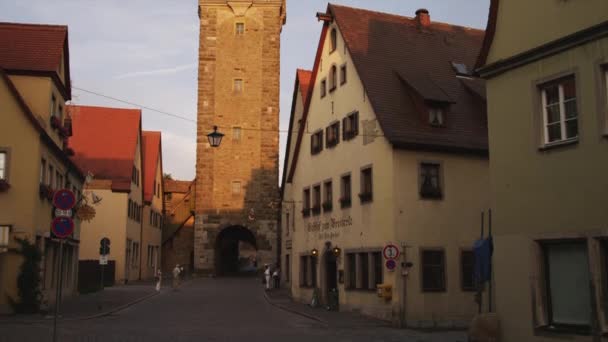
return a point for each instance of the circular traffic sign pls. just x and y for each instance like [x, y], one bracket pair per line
[62, 227]
[391, 264]
[390, 252]
[64, 199]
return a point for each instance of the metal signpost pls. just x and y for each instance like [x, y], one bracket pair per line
[61, 228]
[104, 250]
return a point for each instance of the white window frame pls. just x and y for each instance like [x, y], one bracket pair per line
[562, 112]
[436, 113]
[241, 85]
[4, 169]
[237, 31]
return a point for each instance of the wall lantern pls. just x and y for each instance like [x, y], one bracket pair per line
[337, 251]
[314, 252]
[215, 138]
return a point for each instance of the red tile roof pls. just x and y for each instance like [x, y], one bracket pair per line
[304, 77]
[403, 65]
[302, 86]
[177, 186]
[104, 141]
[152, 152]
[34, 48]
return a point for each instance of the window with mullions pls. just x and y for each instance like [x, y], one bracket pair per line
[333, 40]
[332, 134]
[351, 264]
[378, 265]
[560, 111]
[363, 271]
[467, 265]
[343, 74]
[345, 191]
[239, 29]
[316, 200]
[366, 194]
[3, 165]
[306, 201]
[4, 238]
[567, 284]
[433, 270]
[328, 200]
[333, 78]
[316, 142]
[350, 126]
[430, 181]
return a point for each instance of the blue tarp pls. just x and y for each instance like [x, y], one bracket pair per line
[483, 250]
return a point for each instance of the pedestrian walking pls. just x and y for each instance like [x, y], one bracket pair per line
[159, 278]
[275, 277]
[176, 271]
[267, 276]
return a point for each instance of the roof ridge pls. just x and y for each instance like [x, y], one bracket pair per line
[34, 25]
[104, 107]
[408, 17]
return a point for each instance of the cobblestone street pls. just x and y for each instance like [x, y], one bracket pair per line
[212, 310]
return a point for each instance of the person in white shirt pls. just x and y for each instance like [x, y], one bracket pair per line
[267, 277]
[176, 271]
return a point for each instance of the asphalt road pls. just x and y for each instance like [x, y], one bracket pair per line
[208, 310]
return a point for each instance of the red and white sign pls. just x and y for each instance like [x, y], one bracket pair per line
[390, 252]
[64, 199]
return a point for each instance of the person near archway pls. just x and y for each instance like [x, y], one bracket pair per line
[267, 276]
[275, 277]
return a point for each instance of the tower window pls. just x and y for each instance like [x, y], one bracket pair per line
[239, 29]
[238, 85]
[436, 116]
[333, 78]
[236, 133]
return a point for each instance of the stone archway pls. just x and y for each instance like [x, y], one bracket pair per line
[330, 274]
[235, 251]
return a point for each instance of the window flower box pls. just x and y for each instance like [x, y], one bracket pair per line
[46, 192]
[316, 210]
[4, 185]
[306, 212]
[55, 122]
[345, 202]
[365, 197]
[327, 206]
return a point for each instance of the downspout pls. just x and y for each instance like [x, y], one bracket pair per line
[143, 205]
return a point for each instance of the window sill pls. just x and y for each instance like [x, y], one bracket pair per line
[316, 211]
[327, 207]
[350, 135]
[332, 144]
[332, 89]
[558, 144]
[564, 330]
[431, 196]
[345, 203]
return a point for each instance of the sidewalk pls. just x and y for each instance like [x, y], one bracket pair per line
[351, 320]
[88, 306]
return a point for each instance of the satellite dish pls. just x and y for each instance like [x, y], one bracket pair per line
[96, 199]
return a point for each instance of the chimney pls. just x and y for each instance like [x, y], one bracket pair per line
[423, 18]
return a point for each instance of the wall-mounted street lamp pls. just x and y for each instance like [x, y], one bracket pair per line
[337, 251]
[314, 252]
[215, 138]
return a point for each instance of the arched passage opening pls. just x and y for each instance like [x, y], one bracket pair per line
[235, 252]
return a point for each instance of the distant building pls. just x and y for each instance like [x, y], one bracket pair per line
[34, 162]
[107, 143]
[546, 66]
[387, 145]
[178, 230]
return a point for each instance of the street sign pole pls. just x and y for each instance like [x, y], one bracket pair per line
[58, 292]
[102, 267]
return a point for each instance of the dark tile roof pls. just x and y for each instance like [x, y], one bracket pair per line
[152, 152]
[104, 142]
[404, 66]
[31, 47]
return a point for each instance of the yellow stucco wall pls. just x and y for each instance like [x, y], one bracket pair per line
[22, 207]
[557, 193]
[518, 19]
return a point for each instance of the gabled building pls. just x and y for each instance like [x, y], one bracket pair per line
[288, 205]
[391, 149]
[546, 66]
[34, 162]
[107, 143]
[153, 203]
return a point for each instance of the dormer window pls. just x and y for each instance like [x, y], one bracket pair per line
[436, 116]
[334, 40]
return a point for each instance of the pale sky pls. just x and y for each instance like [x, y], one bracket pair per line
[145, 52]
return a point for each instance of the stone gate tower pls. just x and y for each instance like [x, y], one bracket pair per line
[238, 91]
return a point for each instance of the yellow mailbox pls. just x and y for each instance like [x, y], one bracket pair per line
[385, 291]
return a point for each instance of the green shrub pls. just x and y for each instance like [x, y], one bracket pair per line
[28, 281]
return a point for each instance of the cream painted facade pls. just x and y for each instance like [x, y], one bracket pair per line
[152, 226]
[35, 159]
[549, 197]
[395, 215]
[112, 220]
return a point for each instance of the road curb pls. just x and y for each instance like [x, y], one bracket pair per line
[85, 318]
[284, 308]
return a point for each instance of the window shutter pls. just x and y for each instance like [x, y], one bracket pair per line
[320, 141]
[355, 123]
[312, 144]
[344, 128]
[327, 133]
